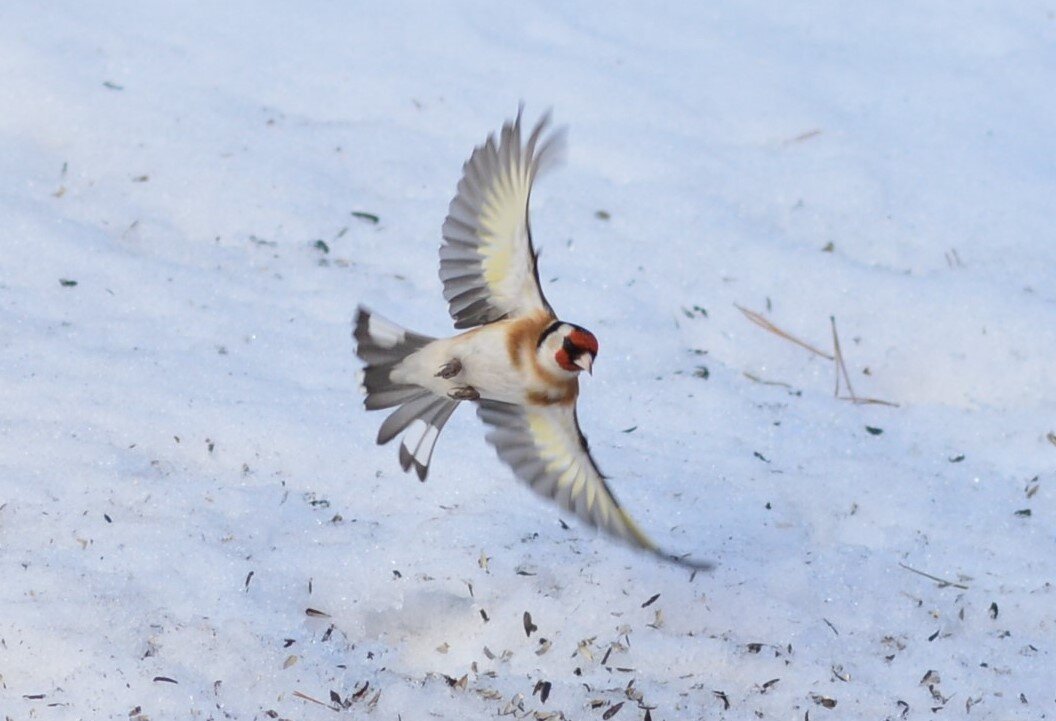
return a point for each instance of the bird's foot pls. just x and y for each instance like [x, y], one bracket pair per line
[464, 393]
[450, 369]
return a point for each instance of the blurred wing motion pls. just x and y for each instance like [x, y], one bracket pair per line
[487, 261]
[545, 448]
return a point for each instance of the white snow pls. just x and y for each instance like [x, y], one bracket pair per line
[186, 466]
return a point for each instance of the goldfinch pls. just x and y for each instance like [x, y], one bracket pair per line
[519, 363]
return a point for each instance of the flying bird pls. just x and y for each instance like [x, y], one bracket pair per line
[518, 362]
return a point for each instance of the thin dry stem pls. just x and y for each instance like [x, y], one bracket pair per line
[763, 323]
[757, 379]
[941, 581]
[840, 365]
[859, 401]
[306, 697]
[836, 357]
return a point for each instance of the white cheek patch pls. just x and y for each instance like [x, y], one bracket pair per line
[385, 334]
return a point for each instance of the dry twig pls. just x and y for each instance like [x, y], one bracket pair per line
[943, 583]
[767, 325]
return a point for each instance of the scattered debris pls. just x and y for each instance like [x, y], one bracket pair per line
[67, 283]
[602, 215]
[658, 619]
[651, 601]
[930, 677]
[1032, 487]
[164, 679]
[769, 685]
[583, 648]
[543, 689]
[369, 217]
[873, 430]
[459, 683]
[823, 701]
[315, 613]
[804, 136]
[528, 625]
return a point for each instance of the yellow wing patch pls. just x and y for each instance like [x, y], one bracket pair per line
[556, 437]
[546, 450]
[487, 262]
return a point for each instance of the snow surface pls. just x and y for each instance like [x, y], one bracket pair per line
[186, 468]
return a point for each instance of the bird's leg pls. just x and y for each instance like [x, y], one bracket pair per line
[464, 393]
[450, 369]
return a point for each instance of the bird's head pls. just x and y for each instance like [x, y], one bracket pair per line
[568, 347]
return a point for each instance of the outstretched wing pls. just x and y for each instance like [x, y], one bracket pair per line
[546, 449]
[487, 261]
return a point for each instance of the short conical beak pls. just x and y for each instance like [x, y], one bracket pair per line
[586, 362]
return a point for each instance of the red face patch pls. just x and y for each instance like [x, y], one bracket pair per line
[584, 340]
[565, 361]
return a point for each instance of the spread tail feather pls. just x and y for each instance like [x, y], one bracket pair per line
[383, 345]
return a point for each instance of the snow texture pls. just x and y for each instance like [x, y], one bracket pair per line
[195, 196]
